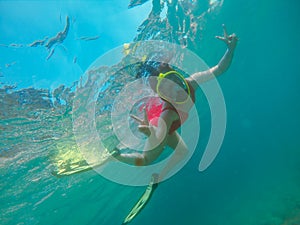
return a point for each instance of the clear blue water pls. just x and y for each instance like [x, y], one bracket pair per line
[253, 181]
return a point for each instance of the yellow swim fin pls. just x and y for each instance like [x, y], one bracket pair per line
[143, 200]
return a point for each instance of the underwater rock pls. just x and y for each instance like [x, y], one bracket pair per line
[38, 42]
[134, 3]
[87, 38]
[60, 36]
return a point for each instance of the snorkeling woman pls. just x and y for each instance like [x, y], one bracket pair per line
[161, 121]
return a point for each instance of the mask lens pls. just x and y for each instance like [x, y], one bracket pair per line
[178, 80]
[172, 87]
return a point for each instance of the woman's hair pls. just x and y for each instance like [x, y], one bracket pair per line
[152, 68]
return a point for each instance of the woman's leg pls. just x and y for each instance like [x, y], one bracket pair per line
[140, 159]
[176, 142]
[154, 146]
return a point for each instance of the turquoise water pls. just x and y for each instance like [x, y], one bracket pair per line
[254, 179]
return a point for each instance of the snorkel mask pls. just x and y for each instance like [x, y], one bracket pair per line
[177, 80]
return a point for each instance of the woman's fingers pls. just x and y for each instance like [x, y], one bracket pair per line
[139, 120]
[230, 40]
[224, 38]
[220, 38]
[225, 31]
[136, 118]
[146, 121]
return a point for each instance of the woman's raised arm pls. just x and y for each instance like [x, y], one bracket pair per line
[222, 66]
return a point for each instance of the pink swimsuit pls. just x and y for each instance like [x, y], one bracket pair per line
[155, 106]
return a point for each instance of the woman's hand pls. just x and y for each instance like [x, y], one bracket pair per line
[230, 40]
[144, 126]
